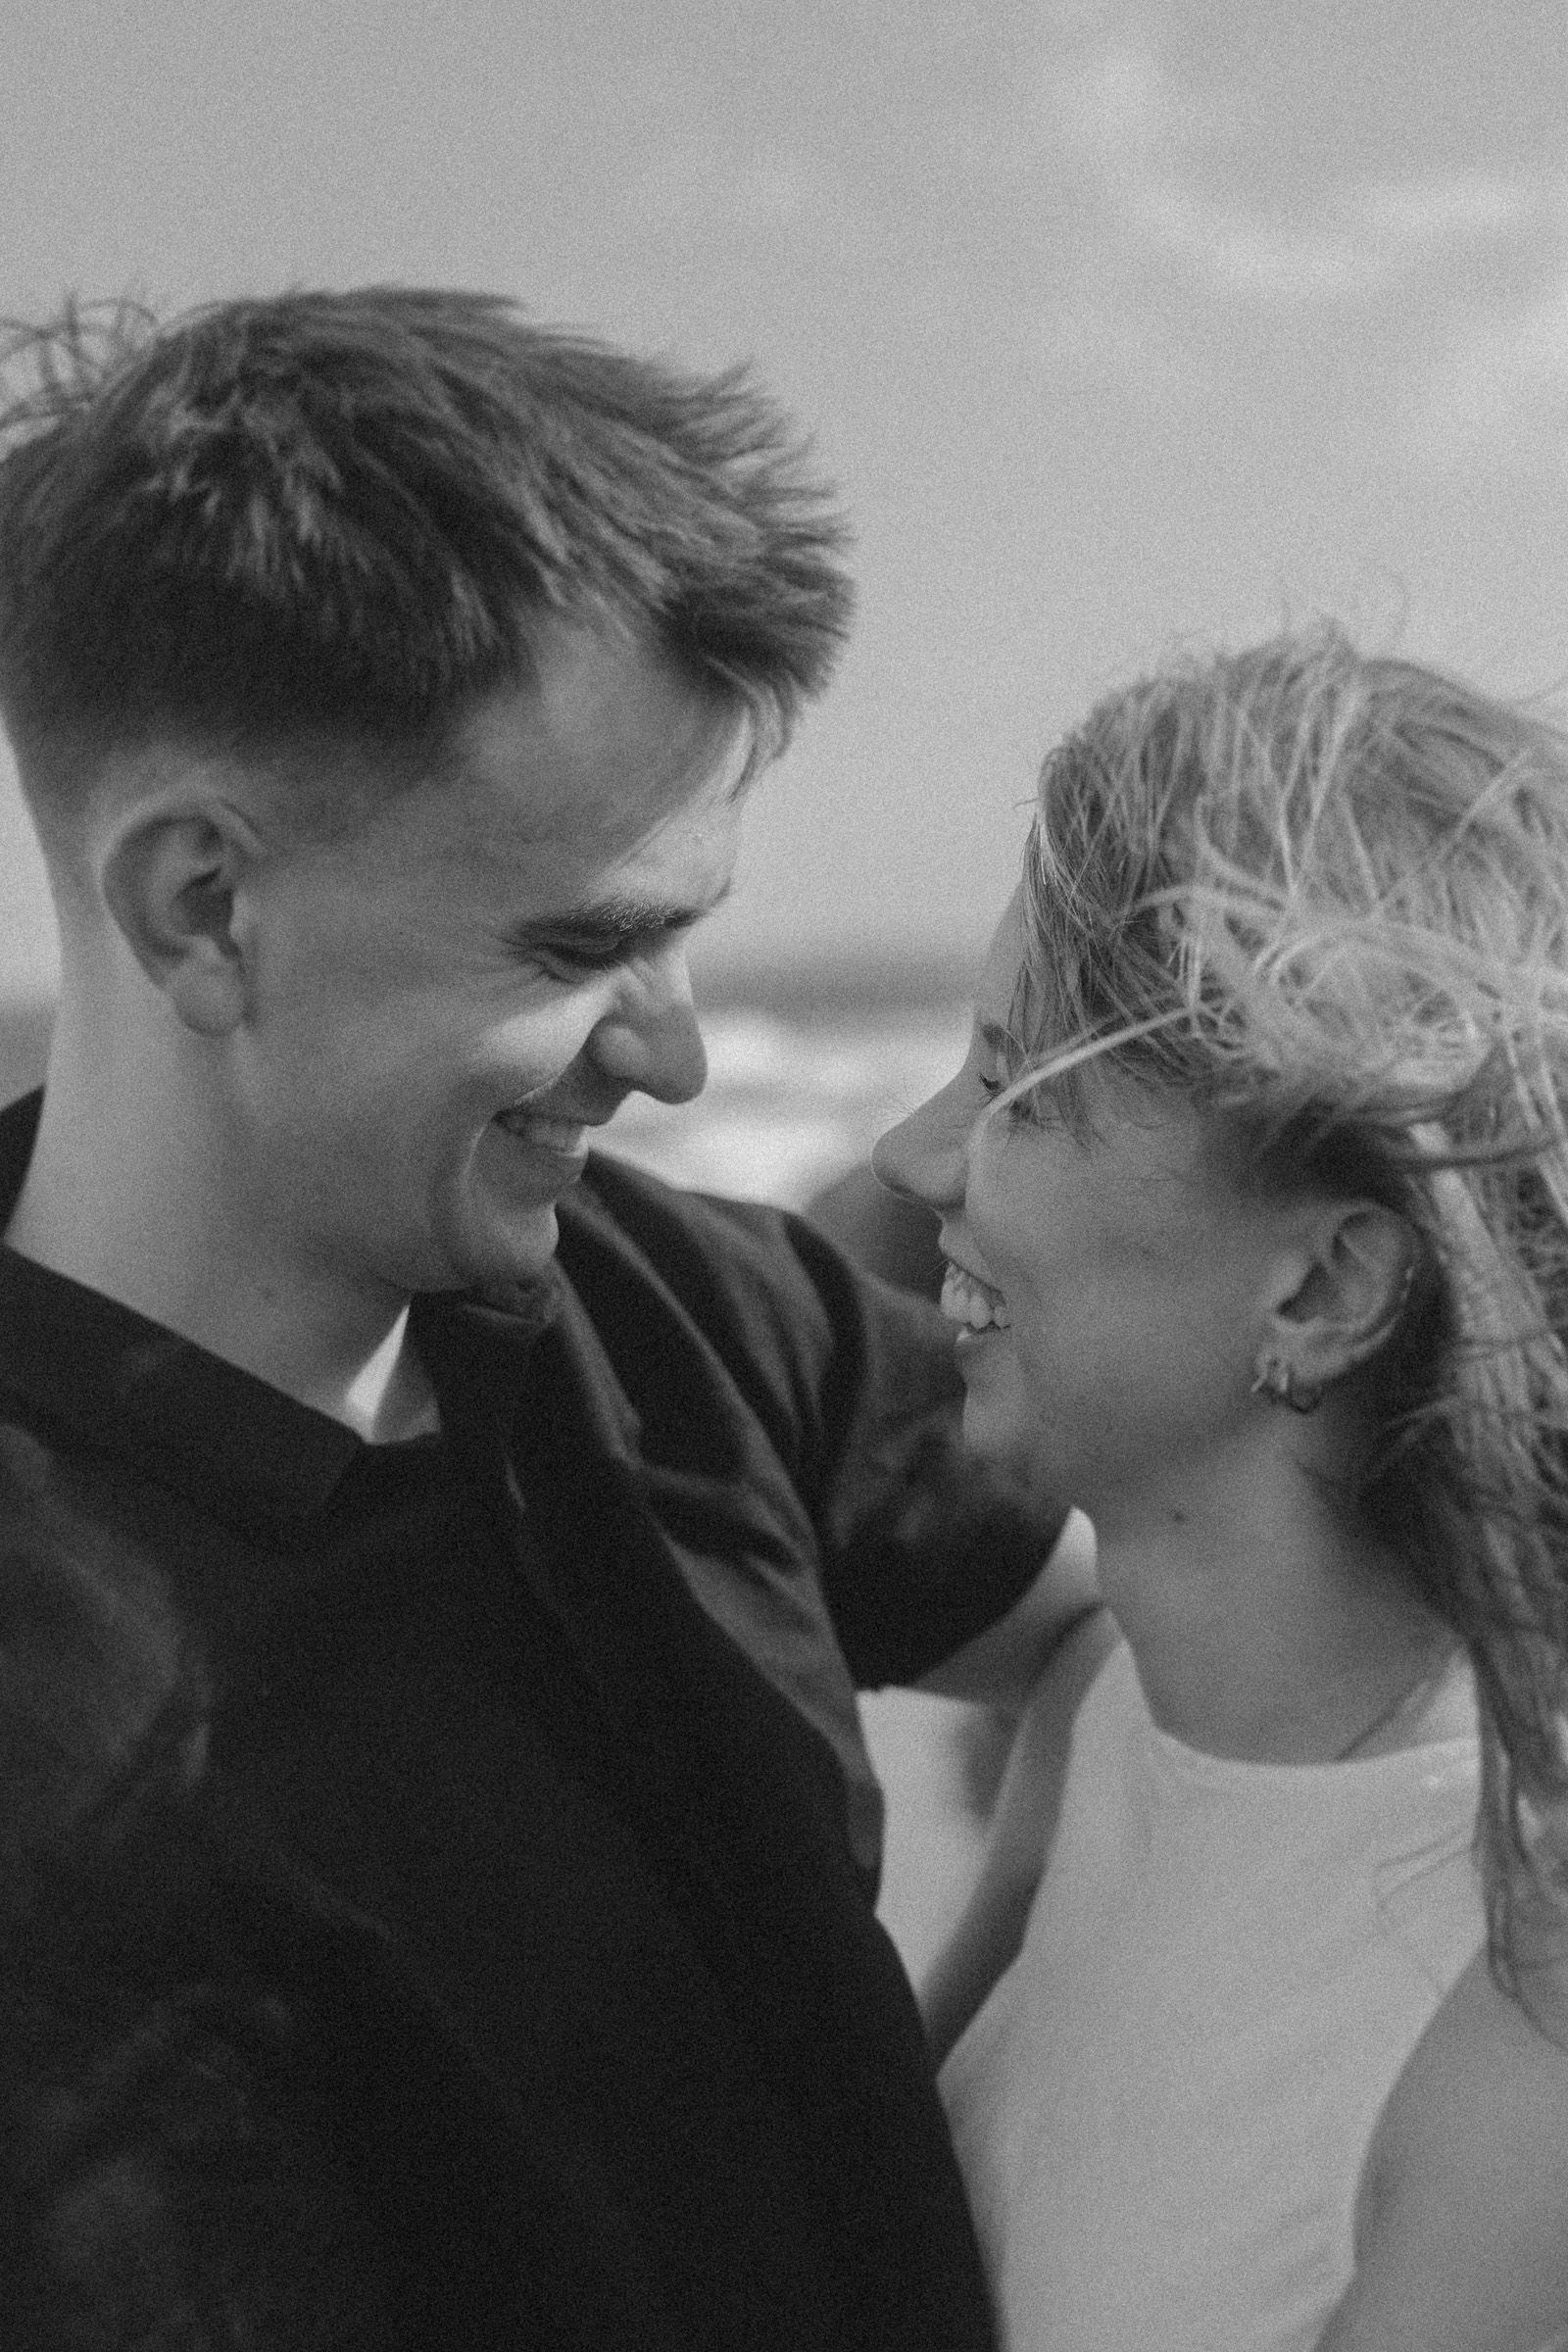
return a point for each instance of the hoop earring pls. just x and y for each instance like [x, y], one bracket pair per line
[1278, 1382]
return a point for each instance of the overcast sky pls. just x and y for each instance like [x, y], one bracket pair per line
[1115, 323]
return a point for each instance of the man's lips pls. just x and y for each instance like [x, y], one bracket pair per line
[564, 1138]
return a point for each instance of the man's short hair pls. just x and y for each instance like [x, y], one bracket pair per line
[341, 518]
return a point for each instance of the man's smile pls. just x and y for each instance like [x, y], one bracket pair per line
[564, 1139]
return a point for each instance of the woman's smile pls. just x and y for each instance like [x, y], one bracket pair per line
[976, 1306]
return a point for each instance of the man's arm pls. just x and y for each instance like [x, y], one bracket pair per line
[1000, 1666]
[752, 1325]
[944, 1571]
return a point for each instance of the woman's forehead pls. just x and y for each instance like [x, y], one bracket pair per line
[1020, 1021]
[1004, 962]
[1014, 996]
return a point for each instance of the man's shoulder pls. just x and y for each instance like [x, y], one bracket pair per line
[620, 1206]
[51, 1478]
[748, 1274]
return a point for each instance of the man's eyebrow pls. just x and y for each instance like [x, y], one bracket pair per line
[998, 1038]
[615, 920]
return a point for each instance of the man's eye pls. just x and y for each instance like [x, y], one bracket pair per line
[572, 957]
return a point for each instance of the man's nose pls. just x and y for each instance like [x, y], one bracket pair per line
[651, 1044]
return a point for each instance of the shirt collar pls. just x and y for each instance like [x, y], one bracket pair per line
[237, 1447]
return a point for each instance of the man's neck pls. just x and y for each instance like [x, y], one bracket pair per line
[108, 1204]
[391, 1398]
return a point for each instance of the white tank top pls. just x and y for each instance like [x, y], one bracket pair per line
[1162, 2109]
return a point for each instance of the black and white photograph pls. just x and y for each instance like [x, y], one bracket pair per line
[783, 1176]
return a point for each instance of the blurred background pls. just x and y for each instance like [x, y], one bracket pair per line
[1118, 325]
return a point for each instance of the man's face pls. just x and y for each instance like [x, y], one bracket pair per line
[445, 1002]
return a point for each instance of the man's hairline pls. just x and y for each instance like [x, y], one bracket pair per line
[410, 762]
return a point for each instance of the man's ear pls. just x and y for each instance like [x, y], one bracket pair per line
[170, 880]
[1348, 1288]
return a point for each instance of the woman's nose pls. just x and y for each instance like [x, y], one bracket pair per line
[924, 1156]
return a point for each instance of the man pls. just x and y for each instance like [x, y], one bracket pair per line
[386, 679]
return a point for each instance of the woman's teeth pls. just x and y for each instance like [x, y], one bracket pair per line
[968, 1301]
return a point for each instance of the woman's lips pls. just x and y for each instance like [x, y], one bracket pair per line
[972, 1303]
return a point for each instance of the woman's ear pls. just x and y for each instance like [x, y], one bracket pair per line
[171, 879]
[1359, 1263]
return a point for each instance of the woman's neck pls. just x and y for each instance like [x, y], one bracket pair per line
[1266, 1628]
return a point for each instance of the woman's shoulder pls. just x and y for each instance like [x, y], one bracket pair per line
[1023, 1823]
[1460, 2217]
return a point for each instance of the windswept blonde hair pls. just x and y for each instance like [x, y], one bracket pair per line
[1325, 896]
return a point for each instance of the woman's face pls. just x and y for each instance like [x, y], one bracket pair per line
[1109, 1290]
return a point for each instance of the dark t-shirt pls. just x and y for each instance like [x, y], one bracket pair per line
[540, 1737]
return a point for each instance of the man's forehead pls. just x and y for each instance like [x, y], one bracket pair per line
[609, 745]
[596, 881]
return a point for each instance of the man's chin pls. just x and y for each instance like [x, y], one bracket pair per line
[528, 1241]
[515, 1252]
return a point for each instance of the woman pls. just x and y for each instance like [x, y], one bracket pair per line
[1254, 1193]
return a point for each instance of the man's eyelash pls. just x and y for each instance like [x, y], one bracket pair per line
[605, 954]
[586, 957]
